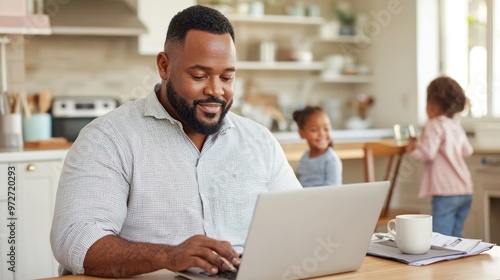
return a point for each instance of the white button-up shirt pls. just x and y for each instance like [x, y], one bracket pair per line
[134, 173]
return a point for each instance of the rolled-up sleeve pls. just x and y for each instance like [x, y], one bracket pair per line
[91, 198]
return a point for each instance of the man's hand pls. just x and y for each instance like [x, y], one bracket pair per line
[112, 256]
[203, 252]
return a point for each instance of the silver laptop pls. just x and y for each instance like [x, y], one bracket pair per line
[309, 232]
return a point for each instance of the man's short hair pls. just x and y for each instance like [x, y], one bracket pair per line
[200, 18]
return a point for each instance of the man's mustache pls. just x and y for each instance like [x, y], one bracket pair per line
[210, 100]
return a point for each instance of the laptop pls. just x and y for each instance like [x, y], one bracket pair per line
[309, 232]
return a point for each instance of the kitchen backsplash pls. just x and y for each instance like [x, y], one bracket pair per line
[89, 66]
[15, 63]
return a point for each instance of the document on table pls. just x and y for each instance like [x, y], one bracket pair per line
[443, 247]
[454, 243]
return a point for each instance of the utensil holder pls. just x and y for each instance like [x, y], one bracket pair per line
[11, 131]
[37, 127]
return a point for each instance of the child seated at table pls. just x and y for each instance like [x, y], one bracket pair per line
[320, 165]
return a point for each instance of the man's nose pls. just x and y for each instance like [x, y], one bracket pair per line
[214, 88]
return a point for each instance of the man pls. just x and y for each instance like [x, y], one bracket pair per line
[169, 181]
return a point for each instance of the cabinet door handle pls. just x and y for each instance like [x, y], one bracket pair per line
[31, 167]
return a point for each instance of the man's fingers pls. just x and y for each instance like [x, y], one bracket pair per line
[203, 264]
[228, 265]
[229, 254]
[208, 254]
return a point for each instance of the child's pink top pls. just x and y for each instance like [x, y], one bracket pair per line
[444, 146]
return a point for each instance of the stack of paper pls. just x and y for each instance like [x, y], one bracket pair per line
[443, 247]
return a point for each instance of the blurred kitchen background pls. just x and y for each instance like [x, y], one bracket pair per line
[367, 62]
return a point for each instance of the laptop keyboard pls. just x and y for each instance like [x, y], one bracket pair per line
[228, 274]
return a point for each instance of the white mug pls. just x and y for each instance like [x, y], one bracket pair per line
[413, 233]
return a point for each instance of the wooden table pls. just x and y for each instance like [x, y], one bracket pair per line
[483, 266]
[349, 150]
[294, 151]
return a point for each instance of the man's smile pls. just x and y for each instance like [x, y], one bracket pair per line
[211, 108]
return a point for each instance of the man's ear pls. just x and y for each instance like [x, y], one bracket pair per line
[162, 62]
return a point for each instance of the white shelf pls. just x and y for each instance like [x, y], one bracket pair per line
[357, 39]
[278, 19]
[302, 66]
[347, 79]
[280, 65]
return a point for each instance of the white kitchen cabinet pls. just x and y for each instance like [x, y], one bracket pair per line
[483, 221]
[32, 201]
[156, 16]
[16, 17]
[474, 224]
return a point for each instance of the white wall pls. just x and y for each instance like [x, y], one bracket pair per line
[394, 58]
[428, 56]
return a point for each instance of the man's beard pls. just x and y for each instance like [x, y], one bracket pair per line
[188, 114]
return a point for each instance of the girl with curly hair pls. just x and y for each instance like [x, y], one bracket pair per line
[443, 147]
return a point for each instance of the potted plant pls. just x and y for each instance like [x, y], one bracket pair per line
[346, 17]
[224, 6]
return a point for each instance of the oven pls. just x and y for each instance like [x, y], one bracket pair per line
[71, 114]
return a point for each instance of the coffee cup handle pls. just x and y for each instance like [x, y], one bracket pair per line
[391, 228]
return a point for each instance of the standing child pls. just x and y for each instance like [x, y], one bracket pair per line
[443, 147]
[320, 166]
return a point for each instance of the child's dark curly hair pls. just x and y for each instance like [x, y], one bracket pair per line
[447, 94]
[301, 116]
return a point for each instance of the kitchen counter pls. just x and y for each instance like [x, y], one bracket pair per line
[294, 151]
[484, 150]
[348, 145]
[340, 136]
[17, 155]
[353, 149]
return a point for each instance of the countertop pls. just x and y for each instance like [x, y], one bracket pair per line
[16, 155]
[340, 136]
[348, 145]
[353, 148]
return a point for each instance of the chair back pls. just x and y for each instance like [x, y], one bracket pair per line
[394, 155]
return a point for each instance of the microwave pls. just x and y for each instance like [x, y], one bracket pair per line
[71, 114]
